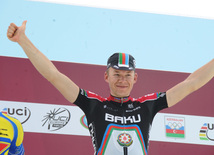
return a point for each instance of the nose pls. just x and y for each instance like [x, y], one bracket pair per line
[122, 78]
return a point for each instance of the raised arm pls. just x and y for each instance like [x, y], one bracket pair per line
[45, 67]
[193, 82]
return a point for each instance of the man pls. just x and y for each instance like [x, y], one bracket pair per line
[118, 124]
[11, 136]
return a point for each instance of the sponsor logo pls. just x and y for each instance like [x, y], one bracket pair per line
[56, 119]
[22, 114]
[122, 120]
[207, 132]
[110, 108]
[135, 109]
[93, 135]
[84, 122]
[175, 127]
[130, 106]
[4, 132]
[124, 139]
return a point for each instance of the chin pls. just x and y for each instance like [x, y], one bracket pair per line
[123, 95]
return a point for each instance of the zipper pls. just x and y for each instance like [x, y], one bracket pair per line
[125, 149]
[121, 101]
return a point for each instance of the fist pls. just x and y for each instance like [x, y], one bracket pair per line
[14, 32]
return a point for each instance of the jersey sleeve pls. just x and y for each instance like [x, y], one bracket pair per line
[161, 102]
[81, 99]
[155, 102]
[87, 100]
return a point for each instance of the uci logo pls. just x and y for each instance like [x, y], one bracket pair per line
[56, 119]
[207, 132]
[22, 114]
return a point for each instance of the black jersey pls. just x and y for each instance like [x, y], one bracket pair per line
[120, 126]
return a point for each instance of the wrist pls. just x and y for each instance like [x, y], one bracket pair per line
[22, 39]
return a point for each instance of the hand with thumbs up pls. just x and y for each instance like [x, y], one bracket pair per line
[15, 33]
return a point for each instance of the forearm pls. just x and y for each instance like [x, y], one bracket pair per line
[44, 66]
[201, 76]
[193, 82]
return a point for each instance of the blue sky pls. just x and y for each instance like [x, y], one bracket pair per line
[90, 35]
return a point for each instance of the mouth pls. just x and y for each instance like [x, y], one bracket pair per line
[122, 87]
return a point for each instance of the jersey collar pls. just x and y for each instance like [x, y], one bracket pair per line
[119, 99]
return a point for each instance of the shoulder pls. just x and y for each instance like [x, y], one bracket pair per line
[91, 95]
[7, 127]
[150, 97]
[12, 120]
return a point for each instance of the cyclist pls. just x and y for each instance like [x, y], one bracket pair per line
[118, 124]
[11, 136]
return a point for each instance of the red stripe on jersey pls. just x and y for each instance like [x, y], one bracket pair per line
[95, 96]
[152, 96]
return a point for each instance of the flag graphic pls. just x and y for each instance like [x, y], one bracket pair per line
[174, 127]
[123, 60]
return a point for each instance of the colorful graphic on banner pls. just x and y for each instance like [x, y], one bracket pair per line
[207, 132]
[4, 111]
[174, 127]
[84, 122]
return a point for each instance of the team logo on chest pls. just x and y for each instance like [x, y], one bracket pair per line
[124, 139]
[123, 120]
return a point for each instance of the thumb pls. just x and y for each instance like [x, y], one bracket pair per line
[24, 22]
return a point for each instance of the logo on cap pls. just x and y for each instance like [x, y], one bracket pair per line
[122, 61]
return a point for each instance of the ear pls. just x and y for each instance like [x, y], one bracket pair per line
[135, 77]
[106, 77]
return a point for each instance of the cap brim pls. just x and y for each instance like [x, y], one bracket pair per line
[123, 68]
